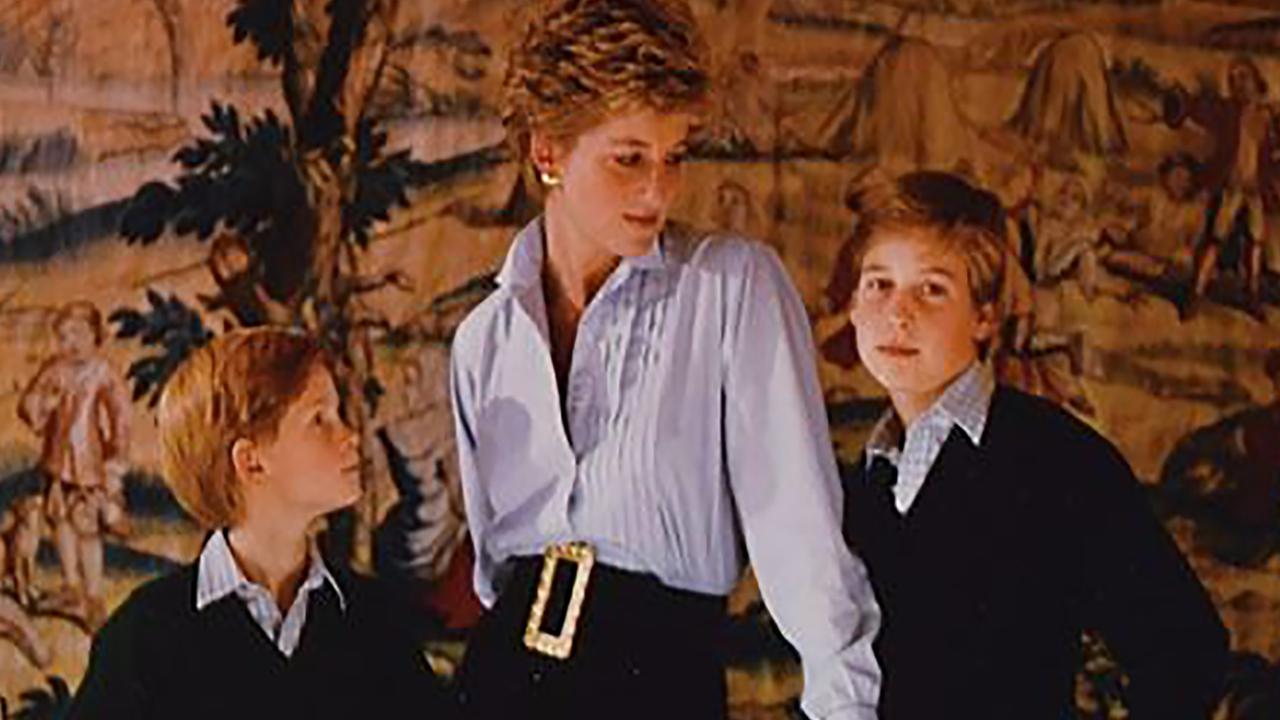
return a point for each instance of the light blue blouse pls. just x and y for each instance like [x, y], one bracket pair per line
[696, 430]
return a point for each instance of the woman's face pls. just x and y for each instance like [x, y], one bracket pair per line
[619, 178]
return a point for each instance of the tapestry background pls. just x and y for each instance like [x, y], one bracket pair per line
[137, 137]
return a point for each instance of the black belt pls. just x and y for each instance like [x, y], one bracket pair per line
[569, 598]
[640, 650]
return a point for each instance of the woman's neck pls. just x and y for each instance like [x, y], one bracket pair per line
[575, 267]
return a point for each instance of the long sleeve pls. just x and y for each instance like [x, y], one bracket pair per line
[1139, 592]
[785, 486]
[112, 686]
[473, 495]
[402, 682]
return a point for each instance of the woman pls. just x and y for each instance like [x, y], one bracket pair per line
[637, 403]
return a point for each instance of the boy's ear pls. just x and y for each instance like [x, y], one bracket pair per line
[245, 459]
[987, 323]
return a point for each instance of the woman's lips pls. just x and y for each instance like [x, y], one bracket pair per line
[642, 220]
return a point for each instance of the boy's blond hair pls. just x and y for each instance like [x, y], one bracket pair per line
[237, 386]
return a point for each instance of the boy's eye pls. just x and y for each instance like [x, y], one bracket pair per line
[934, 290]
[876, 284]
[676, 159]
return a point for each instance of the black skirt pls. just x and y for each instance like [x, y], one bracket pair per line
[642, 650]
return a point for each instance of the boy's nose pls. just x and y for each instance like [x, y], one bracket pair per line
[900, 308]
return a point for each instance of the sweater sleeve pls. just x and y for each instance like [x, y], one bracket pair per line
[1139, 592]
[113, 686]
[406, 683]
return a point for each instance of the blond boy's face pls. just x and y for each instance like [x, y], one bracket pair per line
[917, 327]
[313, 463]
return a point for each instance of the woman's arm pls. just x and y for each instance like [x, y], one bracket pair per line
[462, 392]
[783, 476]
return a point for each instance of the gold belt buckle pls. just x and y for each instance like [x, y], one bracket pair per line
[560, 645]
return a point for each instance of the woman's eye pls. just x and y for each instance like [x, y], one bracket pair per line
[677, 159]
[628, 160]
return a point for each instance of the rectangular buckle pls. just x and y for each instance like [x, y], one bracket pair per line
[559, 645]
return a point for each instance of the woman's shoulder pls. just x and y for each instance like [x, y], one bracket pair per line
[480, 322]
[717, 251]
[736, 271]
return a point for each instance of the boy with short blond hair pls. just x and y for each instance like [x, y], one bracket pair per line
[996, 527]
[254, 447]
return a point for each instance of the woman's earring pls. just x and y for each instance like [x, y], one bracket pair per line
[549, 180]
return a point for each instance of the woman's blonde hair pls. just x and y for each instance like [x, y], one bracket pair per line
[237, 386]
[582, 60]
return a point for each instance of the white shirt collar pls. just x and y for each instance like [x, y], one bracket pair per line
[966, 402]
[219, 575]
[523, 267]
